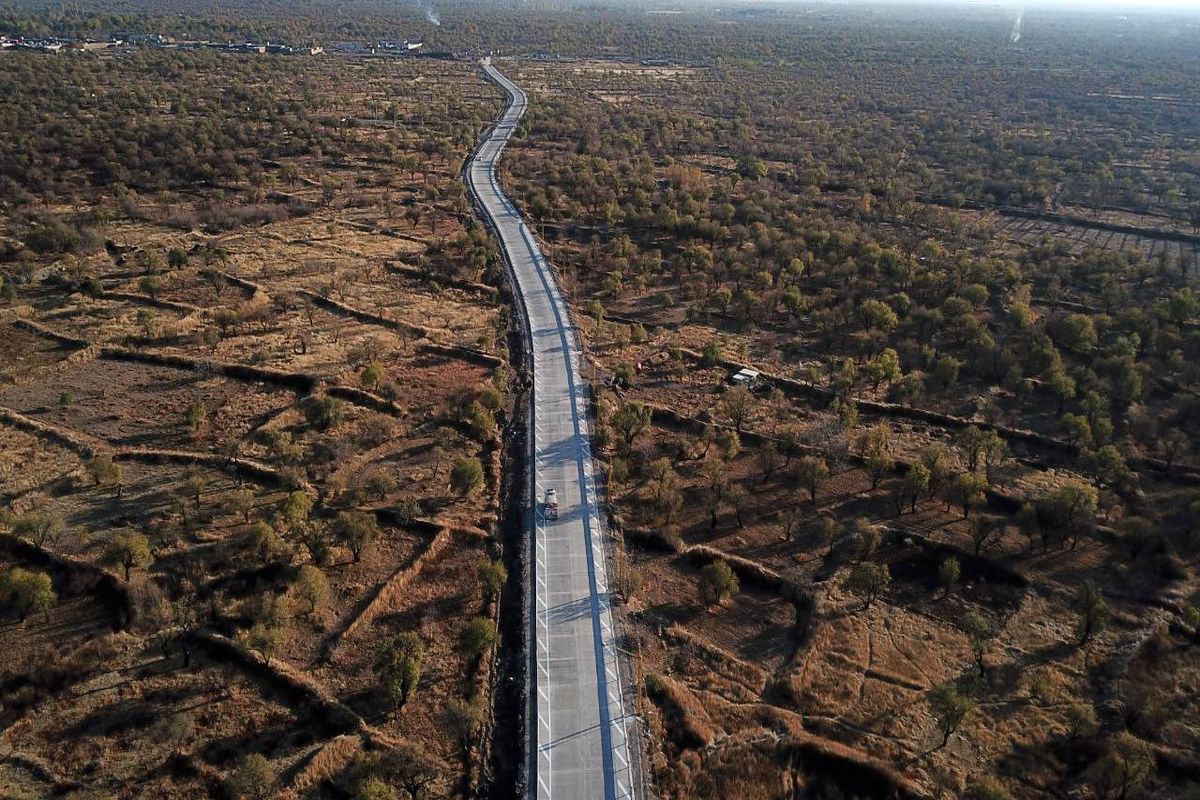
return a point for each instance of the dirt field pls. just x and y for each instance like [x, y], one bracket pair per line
[800, 681]
[193, 360]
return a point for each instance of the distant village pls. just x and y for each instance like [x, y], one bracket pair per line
[55, 45]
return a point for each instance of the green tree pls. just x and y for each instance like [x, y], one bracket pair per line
[1082, 722]
[241, 502]
[253, 778]
[914, 484]
[492, 577]
[374, 788]
[264, 541]
[1092, 611]
[829, 531]
[729, 444]
[935, 459]
[1075, 332]
[478, 638]
[868, 580]
[150, 286]
[311, 588]
[979, 632]
[1061, 384]
[878, 316]
[106, 472]
[357, 530]
[372, 375]
[810, 472]
[464, 718]
[949, 571]
[595, 310]
[979, 445]
[295, 508]
[194, 487]
[1126, 764]
[983, 529]
[718, 582]
[1070, 507]
[314, 537]
[26, 592]
[949, 708]
[629, 421]
[466, 476]
[910, 388]
[752, 168]
[398, 667]
[197, 412]
[623, 374]
[129, 549]
[945, 371]
[879, 463]
[40, 527]
[266, 637]
[324, 412]
[736, 404]
[969, 490]
[414, 768]
[713, 350]
[790, 519]
[768, 459]
[869, 537]
[846, 412]
[885, 369]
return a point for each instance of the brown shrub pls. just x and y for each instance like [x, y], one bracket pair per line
[686, 719]
[326, 762]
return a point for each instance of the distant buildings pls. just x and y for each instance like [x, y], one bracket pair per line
[54, 45]
[383, 47]
[90, 46]
[45, 45]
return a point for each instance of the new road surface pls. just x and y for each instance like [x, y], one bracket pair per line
[579, 722]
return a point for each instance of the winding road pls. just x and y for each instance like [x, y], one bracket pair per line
[578, 719]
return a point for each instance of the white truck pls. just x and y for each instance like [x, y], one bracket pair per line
[550, 505]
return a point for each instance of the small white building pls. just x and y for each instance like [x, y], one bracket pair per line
[746, 377]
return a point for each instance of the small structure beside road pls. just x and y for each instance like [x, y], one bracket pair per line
[750, 378]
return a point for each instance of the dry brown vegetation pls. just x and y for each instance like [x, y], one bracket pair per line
[822, 673]
[949, 549]
[204, 402]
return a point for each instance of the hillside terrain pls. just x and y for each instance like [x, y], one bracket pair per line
[946, 545]
[251, 414]
[261, 396]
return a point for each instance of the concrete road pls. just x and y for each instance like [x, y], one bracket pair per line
[581, 727]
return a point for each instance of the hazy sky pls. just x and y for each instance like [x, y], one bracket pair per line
[1131, 5]
[1105, 5]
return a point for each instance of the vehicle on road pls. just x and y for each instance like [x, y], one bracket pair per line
[550, 506]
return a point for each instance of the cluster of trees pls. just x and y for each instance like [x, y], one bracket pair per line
[761, 201]
[918, 310]
[164, 119]
[110, 126]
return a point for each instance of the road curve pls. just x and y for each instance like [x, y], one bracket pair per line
[578, 720]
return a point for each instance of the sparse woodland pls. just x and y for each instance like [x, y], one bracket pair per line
[960, 505]
[252, 396]
[256, 398]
